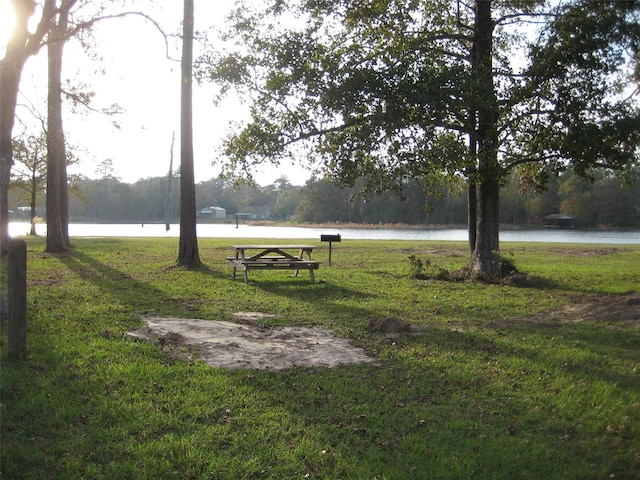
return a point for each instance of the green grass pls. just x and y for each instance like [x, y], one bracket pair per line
[465, 399]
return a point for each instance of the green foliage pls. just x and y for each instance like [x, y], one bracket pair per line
[582, 93]
[427, 270]
[417, 266]
[29, 173]
[349, 81]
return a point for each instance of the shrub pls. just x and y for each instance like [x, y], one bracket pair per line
[427, 270]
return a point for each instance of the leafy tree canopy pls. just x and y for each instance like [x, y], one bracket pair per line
[394, 91]
[581, 96]
[387, 90]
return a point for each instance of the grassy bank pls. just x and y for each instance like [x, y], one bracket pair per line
[485, 392]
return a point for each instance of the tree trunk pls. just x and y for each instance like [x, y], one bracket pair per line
[34, 196]
[472, 214]
[17, 52]
[6, 161]
[167, 211]
[472, 203]
[56, 155]
[485, 257]
[484, 261]
[188, 251]
[64, 195]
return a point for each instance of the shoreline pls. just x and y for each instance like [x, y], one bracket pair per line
[351, 226]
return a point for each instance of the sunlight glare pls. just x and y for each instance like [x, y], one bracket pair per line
[7, 19]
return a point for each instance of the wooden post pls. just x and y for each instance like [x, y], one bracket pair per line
[17, 327]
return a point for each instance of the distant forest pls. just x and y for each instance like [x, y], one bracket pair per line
[604, 203]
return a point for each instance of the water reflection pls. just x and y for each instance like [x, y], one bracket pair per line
[250, 231]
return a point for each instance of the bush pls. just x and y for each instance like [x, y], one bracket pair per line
[427, 270]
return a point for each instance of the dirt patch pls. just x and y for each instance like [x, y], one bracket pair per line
[391, 326]
[585, 252]
[250, 346]
[618, 310]
[244, 344]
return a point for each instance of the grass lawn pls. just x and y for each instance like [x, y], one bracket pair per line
[484, 392]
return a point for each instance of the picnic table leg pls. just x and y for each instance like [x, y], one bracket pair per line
[313, 279]
[237, 256]
[246, 275]
[301, 257]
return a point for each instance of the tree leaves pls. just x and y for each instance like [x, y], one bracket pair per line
[581, 112]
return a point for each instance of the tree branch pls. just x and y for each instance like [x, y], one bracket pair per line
[83, 100]
[90, 23]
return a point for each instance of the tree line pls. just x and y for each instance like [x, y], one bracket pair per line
[606, 202]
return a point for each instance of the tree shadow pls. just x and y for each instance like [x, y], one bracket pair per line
[430, 398]
[324, 296]
[128, 290]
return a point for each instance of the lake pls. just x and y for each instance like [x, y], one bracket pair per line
[212, 230]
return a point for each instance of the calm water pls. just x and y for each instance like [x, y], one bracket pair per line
[249, 231]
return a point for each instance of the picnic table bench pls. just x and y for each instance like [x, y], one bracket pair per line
[273, 257]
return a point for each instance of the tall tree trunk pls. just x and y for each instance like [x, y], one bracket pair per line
[472, 214]
[484, 258]
[19, 48]
[64, 193]
[167, 211]
[56, 155]
[57, 180]
[34, 197]
[472, 203]
[188, 251]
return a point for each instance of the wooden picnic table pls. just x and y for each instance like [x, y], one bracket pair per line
[270, 257]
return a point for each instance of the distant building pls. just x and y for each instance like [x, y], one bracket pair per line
[213, 212]
[558, 220]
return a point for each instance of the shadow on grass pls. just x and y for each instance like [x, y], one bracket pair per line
[142, 296]
[447, 395]
[582, 353]
[596, 348]
[326, 297]
[203, 286]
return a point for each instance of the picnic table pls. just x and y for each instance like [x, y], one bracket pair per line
[273, 257]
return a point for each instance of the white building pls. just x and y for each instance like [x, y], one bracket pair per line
[213, 212]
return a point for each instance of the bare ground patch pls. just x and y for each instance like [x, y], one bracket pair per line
[244, 344]
[620, 310]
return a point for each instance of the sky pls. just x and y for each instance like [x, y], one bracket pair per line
[135, 73]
